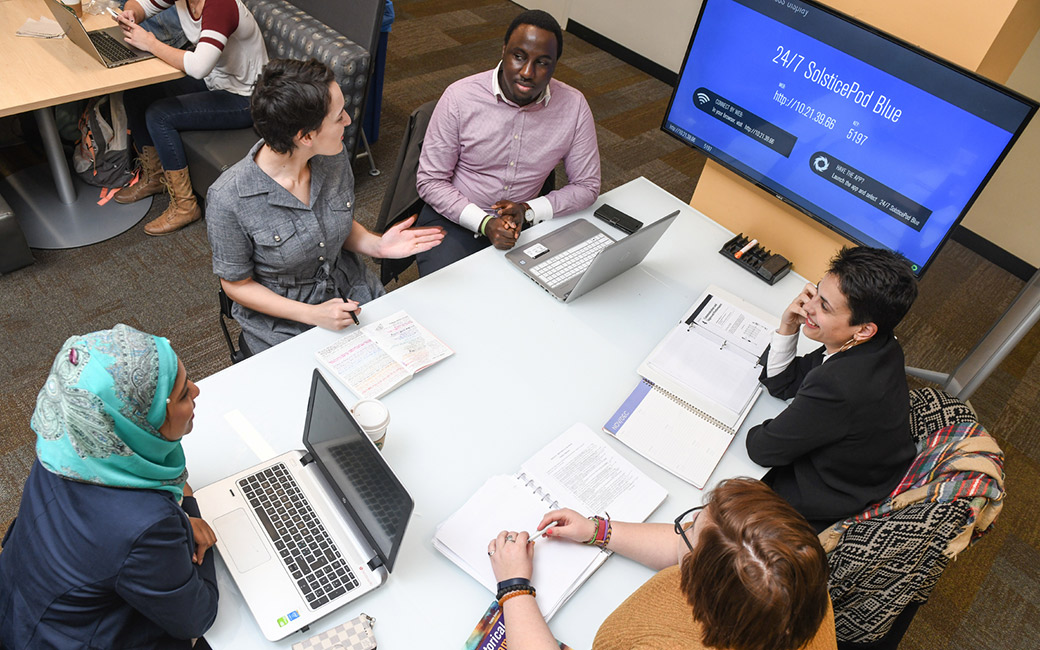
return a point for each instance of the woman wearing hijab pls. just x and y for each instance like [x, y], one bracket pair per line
[108, 550]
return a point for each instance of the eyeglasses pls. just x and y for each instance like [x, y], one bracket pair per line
[685, 522]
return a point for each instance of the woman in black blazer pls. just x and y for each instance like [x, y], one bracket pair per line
[843, 443]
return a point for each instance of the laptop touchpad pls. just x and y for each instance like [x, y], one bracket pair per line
[240, 541]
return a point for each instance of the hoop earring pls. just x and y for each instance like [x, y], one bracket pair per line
[851, 343]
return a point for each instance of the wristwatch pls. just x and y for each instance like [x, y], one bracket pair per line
[528, 214]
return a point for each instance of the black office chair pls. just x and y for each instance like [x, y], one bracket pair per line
[225, 315]
[402, 199]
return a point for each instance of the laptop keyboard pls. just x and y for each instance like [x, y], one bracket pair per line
[570, 262]
[110, 48]
[298, 535]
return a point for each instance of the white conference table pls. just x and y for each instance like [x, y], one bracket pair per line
[525, 368]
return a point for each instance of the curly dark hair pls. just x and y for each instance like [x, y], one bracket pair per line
[290, 97]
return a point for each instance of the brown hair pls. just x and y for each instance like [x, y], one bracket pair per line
[757, 575]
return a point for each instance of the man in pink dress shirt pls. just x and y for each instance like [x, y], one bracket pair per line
[493, 140]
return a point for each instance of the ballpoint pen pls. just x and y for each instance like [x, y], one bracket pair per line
[542, 532]
[354, 316]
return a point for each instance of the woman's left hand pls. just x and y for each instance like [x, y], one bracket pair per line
[401, 240]
[512, 556]
[204, 538]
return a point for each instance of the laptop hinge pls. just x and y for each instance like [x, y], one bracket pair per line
[375, 563]
[306, 459]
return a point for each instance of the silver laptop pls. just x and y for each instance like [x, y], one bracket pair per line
[105, 45]
[309, 531]
[575, 259]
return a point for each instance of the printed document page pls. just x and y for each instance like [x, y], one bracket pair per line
[735, 326]
[699, 363]
[505, 503]
[583, 473]
[710, 359]
[577, 470]
[408, 341]
[363, 365]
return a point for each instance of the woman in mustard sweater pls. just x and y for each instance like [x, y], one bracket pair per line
[744, 571]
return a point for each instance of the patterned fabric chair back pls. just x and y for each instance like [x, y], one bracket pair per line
[882, 566]
[290, 33]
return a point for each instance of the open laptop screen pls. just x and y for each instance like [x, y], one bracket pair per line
[353, 466]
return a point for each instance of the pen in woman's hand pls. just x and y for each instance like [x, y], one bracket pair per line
[542, 532]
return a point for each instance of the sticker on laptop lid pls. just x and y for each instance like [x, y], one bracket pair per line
[535, 251]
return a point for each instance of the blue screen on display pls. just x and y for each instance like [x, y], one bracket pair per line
[878, 140]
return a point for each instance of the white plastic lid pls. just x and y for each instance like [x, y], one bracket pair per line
[371, 414]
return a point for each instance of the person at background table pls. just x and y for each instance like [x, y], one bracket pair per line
[281, 220]
[108, 549]
[228, 55]
[844, 442]
[743, 572]
[493, 140]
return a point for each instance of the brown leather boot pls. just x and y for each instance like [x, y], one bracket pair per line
[148, 183]
[183, 208]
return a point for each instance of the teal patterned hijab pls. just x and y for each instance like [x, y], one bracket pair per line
[97, 418]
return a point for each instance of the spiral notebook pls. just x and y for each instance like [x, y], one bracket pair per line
[698, 386]
[555, 477]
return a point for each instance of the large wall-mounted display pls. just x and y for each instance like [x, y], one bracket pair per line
[882, 142]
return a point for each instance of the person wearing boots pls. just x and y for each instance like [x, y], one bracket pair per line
[228, 56]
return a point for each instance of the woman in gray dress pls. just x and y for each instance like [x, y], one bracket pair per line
[280, 220]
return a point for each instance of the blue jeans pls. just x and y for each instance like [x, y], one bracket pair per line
[157, 113]
[167, 28]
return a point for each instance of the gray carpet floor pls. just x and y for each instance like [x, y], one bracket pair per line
[988, 598]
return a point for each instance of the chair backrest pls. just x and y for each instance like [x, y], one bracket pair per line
[883, 566]
[292, 32]
[932, 409]
[225, 315]
[402, 199]
[358, 20]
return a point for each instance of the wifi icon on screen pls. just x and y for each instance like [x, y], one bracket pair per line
[702, 98]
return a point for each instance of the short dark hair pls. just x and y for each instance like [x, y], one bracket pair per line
[541, 20]
[757, 576]
[290, 97]
[878, 285]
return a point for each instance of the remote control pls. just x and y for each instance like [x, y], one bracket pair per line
[618, 219]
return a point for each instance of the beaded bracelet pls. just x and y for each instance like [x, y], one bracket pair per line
[518, 592]
[601, 537]
[513, 581]
[512, 588]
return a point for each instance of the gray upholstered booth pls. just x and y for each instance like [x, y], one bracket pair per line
[14, 251]
[290, 32]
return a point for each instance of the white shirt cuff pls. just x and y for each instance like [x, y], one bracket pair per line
[543, 210]
[781, 353]
[472, 216]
